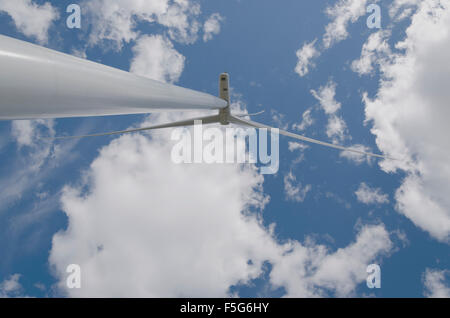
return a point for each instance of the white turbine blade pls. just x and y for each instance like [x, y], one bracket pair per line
[182, 123]
[36, 82]
[240, 121]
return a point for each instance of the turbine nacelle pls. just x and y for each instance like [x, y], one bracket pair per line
[224, 93]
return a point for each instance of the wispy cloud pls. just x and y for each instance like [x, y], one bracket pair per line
[342, 13]
[336, 126]
[307, 121]
[358, 158]
[374, 51]
[305, 57]
[11, 287]
[211, 26]
[294, 190]
[368, 195]
[436, 284]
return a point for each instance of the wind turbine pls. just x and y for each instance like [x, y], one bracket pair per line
[36, 82]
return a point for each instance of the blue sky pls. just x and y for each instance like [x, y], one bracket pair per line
[256, 43]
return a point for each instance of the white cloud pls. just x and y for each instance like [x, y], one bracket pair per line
[296, 146]
[305, 56]
[294, 190]
[139, 226]
[181, 19]
[336, 126]
[326, 96]
[342, 13]
[292, 146]
[27, 132]
[401, 9]
[312, 271]
[434, 282]
[410, 118]
[116, 20]
[357, 158]
[130, 244]
[212, 26]
[145, 229]
[36, 158]
[156, 58]
[31, 19]
[425, 209]
[10, 287]
[279, 119]
[368, 195]
[81, 53]
[336, 129]
[375, 50]
[307, 121]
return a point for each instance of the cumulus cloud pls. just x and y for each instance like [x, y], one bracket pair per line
[156, 58]
[138, 226]
[294, 190]
[116, 20]
[181, 19]
[145, 229]
[30, 18]
[369, 195]
[305, 57]
[131, 244]
[11, 287]
[435, 283]
[409, 116]
[115, 23]
[425, 209]
[212, 26]
[314, 271]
